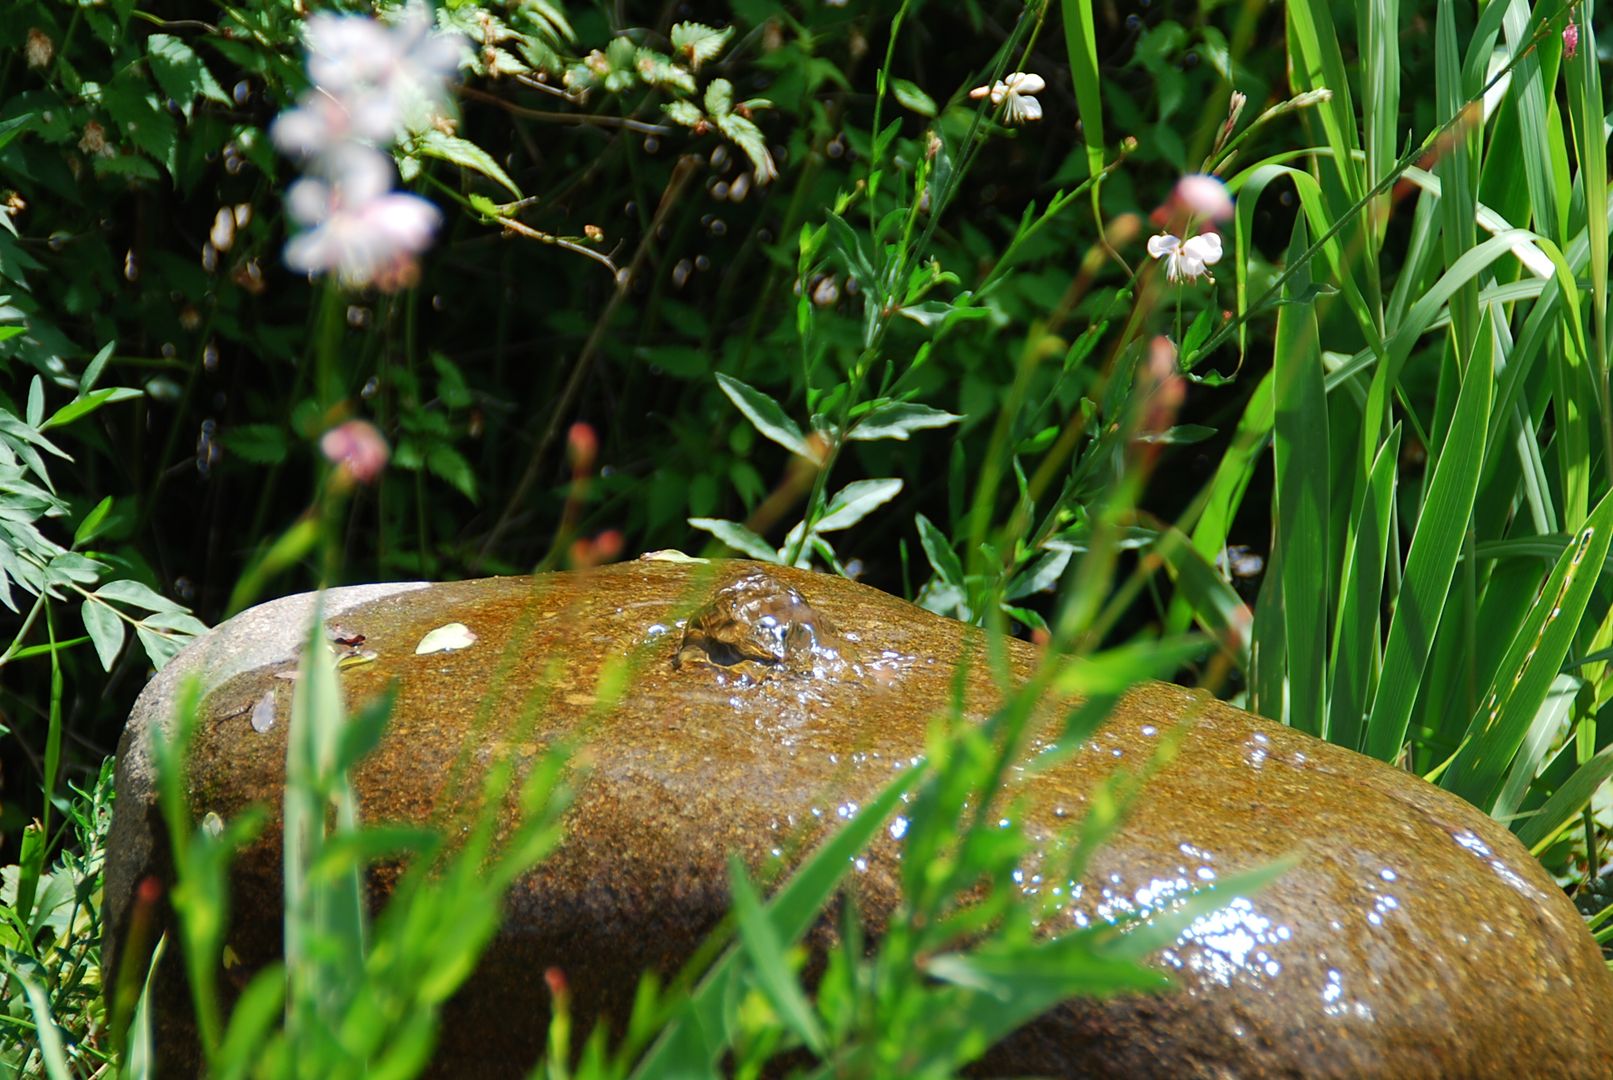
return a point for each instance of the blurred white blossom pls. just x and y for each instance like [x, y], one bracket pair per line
[1016, 91]
[1186, 260]
[371, 82]
[354, 224]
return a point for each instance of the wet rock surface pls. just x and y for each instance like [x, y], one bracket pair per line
[1414, 937]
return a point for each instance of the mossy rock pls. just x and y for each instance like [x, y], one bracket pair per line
[1413, 937]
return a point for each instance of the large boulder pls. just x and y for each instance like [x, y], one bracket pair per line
[1414, 936]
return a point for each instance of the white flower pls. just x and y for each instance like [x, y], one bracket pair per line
[1189, 259]
[355, 225]
[1016, 90]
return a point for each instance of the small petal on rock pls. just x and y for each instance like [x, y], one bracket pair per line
[263, 712]
[449, 638]
[669, 555]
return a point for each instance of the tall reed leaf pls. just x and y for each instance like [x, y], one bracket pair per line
[1532, 662]
[1301, 520]
[1430, 565]
[1355, 637]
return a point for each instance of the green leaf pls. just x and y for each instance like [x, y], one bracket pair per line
[898, 420]
[699, 42]
[691, 1043]
[87, 403]
[91, 525]
[719, 98]
[463, 152]
[92, 373]
[136, 594]
[36, 401]
[766, 415]
[1355, 635]
[685, 113]
[737, 537]
[181, 73]
[1081, 44]
[262, 444]
[659, 70]
[768, 961]
[1430, 564]
[912, 98]
[932, 313]
[143, 121]
[1300, 451]
[1566, 802]
[105, 629]
[749, 138]
[449, 464]
[943, 560]
[856, 501]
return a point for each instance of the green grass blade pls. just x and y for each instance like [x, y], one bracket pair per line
[1535, 657]
[1455, 173]
[691, 1043]
[1378, 22]
[1562, 809]
[767, 957]
[1300, 450]
[1430, 564]
[1537, 742]
[1355, 636]
[1081, 41]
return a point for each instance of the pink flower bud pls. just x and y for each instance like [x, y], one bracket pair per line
[1203, 196]
[357, 449]
[1570, 39]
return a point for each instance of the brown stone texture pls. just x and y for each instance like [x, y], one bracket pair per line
[1414, 937]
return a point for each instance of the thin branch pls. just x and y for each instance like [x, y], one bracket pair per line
[550, 117]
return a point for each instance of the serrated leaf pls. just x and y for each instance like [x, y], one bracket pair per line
[450, 465]
[658, 70]
[181, 73]
[699, 42]
[856, 501]
[719, 98]
[262, 444]
[737, 537]
[133, 592]
[912, 98]
[749, 138]
[144, 123]
[766, 415]
[463, 152]
[105, 629]
[685, 113]
[898, 420]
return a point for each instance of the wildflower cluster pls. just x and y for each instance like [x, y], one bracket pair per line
[370, 82]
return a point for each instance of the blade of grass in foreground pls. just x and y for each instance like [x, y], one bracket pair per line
[691, 1044]
[1430, 565]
